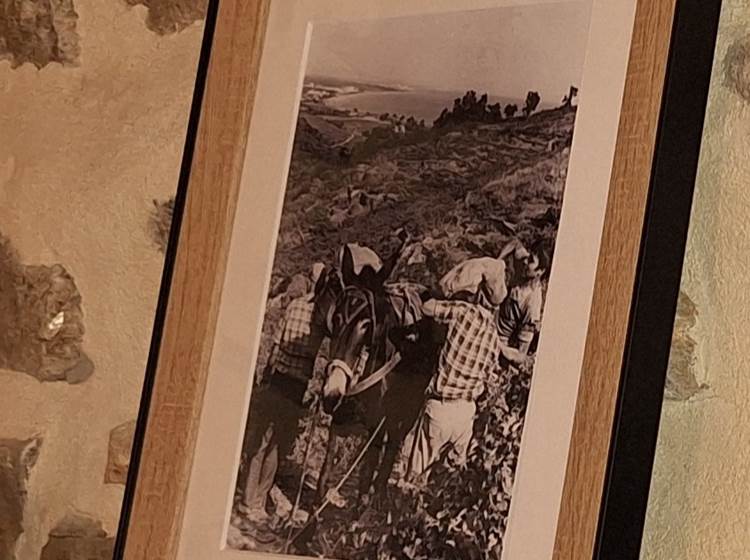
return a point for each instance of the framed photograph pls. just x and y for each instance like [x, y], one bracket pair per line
[400, 278]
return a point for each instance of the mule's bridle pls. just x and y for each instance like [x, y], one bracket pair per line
[354, 374]
[357, 381]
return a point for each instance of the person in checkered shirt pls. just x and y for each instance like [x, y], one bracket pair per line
[277, 404]
[477, 341]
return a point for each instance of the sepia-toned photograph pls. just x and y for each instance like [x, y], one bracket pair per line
[406, 298]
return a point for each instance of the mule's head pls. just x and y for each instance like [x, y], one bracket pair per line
[355, 323]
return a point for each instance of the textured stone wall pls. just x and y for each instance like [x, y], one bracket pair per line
[682, 378]
[78, 536]
[41, 329]
[160, 222]
[701, 486]
[17, 458]
[170, 16]
[95, 98]
[39, 32]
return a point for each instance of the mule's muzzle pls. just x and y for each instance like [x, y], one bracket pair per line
[338, 377]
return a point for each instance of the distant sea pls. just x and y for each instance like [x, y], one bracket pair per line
[421, 104]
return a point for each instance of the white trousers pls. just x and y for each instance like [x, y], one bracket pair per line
[445, 426]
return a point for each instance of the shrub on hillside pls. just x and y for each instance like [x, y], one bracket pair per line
[471, 108]
[532, 102]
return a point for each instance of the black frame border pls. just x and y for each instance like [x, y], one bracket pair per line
[638, 412]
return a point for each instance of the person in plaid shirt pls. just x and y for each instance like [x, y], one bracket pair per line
[470, 354]
[476, 342]
[471, 350]
[277, 404]
[297, 341]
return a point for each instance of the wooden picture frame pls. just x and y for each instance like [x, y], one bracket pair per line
[643, 373]
[189, 300]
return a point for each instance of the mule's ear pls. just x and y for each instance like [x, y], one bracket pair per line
[347, 267]
[387, 269]
[321, 282]
[328, 280]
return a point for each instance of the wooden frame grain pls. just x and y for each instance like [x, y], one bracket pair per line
[166, 453]
[613, 290]
[160, 479]
[635, 428]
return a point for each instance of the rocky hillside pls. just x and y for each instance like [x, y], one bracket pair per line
[461, 190]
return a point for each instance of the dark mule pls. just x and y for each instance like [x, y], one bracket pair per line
[366, 327]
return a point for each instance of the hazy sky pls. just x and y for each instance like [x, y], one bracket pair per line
[505, 51]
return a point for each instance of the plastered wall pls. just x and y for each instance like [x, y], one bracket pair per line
[84, 151]
[700, 495]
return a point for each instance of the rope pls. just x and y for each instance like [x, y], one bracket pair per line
[343, 480]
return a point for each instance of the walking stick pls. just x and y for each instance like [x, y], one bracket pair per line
[314, 517]
[308, 448]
